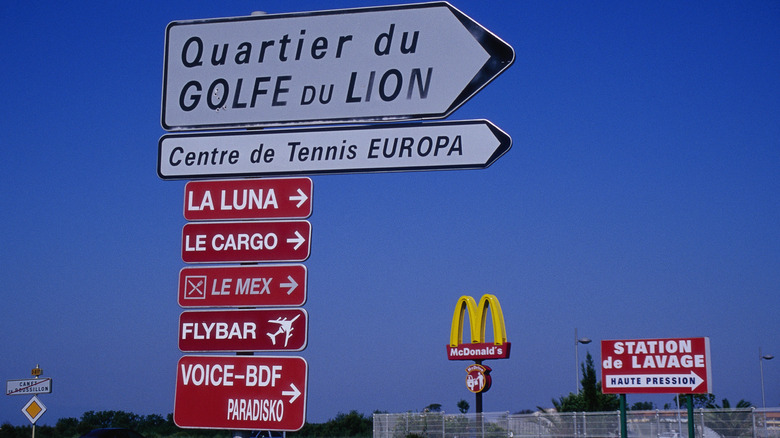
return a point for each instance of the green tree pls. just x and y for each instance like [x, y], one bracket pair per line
[463, 406]
[343, 425]
[433, 407]
[728, 421]
[700, 401]
[590, 398]
[642, 406]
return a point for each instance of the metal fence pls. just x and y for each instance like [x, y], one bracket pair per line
[708, 423]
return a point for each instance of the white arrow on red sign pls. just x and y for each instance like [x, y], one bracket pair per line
[635, 381]
[241, 392]
[381, 63]
[274, 241]
[273, 198]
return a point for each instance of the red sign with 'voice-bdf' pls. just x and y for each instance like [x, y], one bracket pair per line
[241, 392]
[668, 366]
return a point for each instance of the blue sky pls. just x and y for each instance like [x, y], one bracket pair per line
[640, 199]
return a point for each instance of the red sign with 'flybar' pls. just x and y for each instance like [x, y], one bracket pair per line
[243, 286]
[273, 198]
[267, 241]
[243, 330]
[241, 392]
[666, 366]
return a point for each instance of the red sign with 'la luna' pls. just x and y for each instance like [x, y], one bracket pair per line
[273, 198]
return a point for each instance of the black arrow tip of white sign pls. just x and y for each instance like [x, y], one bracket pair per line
[502, 55]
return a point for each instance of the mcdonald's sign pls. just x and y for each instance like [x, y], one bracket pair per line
[478, 349]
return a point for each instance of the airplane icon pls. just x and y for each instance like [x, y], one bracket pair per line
[285, 327]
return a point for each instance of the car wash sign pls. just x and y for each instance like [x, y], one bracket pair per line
[641, 366]
[380, 63]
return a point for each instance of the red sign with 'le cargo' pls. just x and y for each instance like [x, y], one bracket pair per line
[262, 241]
[667, 366]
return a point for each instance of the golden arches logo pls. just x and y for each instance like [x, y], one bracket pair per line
[477, 316]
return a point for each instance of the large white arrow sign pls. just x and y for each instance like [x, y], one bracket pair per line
[472, 144]
[690, 381]
[381, 63]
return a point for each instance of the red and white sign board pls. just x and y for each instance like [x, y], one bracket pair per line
[241, 392]
[267, 241]
[278, 198]
[663, 366]
[243, 286]
[243, 330]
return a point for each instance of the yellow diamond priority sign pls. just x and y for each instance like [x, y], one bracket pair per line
[33, 409]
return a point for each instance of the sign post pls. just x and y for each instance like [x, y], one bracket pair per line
[377, 64]
[478, 378]
[658, 366]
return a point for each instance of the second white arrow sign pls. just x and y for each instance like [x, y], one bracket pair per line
[472, 144]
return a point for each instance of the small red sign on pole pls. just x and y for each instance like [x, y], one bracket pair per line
[241, 392]
[243, 286]
[273, 198]
[666, 366]
[270, 241]
[243, 330]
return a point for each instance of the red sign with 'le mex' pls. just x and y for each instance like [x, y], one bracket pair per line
[272, 198]
[243, 286]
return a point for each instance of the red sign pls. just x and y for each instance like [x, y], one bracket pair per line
[243, 286]
[478, 378]
[271, 241]
[282, 198]
[243, 330]
[241, 392]
[666, 366]
[479, 351]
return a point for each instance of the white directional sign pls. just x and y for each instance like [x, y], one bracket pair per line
[28, 386]
[469, 144]
[683, 382]
[380, 63]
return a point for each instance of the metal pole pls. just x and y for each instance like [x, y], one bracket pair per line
[576, 362]
[761, 358]
[691, 429]
[577, 342]
[623, 422]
